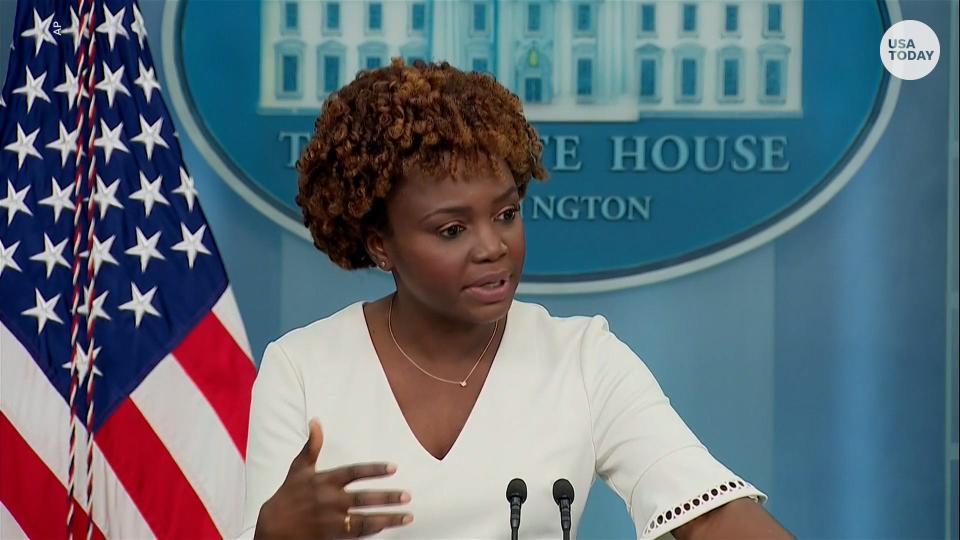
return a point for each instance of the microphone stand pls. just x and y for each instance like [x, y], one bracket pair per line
[565, 518]
[516, 496]
[563, 496]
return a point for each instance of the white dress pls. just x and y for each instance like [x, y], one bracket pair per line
[564, 398]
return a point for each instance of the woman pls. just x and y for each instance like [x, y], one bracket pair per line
[433, 398]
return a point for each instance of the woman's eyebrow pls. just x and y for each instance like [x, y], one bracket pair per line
[466, 209]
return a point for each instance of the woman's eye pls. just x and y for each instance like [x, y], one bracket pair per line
[510, 214]
[452, 231]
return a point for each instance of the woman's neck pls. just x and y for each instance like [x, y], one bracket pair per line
[435, 338]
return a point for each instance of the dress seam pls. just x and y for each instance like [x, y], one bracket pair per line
[655, 463]
[299, 376]
[586, 396]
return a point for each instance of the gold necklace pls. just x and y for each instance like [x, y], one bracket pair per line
[462, 383]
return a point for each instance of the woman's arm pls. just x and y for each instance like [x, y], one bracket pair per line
[742, 518]
[647, 453]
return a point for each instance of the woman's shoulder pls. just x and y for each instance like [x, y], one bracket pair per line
[537, 319]
[333, 331]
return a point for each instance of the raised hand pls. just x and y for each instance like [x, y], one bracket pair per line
[311, 504]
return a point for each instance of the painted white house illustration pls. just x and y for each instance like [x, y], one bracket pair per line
[567, 60]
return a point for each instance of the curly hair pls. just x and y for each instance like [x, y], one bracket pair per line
[391, 120]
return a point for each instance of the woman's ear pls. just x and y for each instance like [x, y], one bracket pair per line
[377, 251]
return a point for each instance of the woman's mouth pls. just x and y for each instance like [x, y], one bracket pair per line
[490, 293]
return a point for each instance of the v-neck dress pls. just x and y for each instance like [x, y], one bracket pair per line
[564, 398]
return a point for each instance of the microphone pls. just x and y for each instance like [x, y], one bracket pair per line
[563, 495]
[516, 495]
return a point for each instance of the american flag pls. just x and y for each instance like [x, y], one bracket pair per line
[112, 293]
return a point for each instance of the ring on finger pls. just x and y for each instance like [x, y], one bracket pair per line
[346, 523]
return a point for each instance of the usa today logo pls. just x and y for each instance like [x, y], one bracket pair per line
[909, 50]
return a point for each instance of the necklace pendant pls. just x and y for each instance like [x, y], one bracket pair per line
[463, 384]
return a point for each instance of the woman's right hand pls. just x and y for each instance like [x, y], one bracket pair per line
[311, 504]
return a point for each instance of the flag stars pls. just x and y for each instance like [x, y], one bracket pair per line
[112, 82]
[14, 202]
[33, 88]
[106, 196]
[70, 87]
[145, 249]
[140, 304]
[44, 311]
[74, 30]
[138, 27]
[59, 198]
[83, 363]
[96, 306]
[40, 32]
[23, 146]
[113, 25]
[109, 139]
[147, 79]
[52, 254]
[101, 253]
[186, 188]
[6, 257]
[149, 136]
[192, 243]
[65, 144]
[149, 193]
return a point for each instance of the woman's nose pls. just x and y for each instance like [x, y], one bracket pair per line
[490, 244]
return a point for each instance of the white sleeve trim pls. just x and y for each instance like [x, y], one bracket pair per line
[704, 502]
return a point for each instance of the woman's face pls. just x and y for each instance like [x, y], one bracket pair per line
[450, 236]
